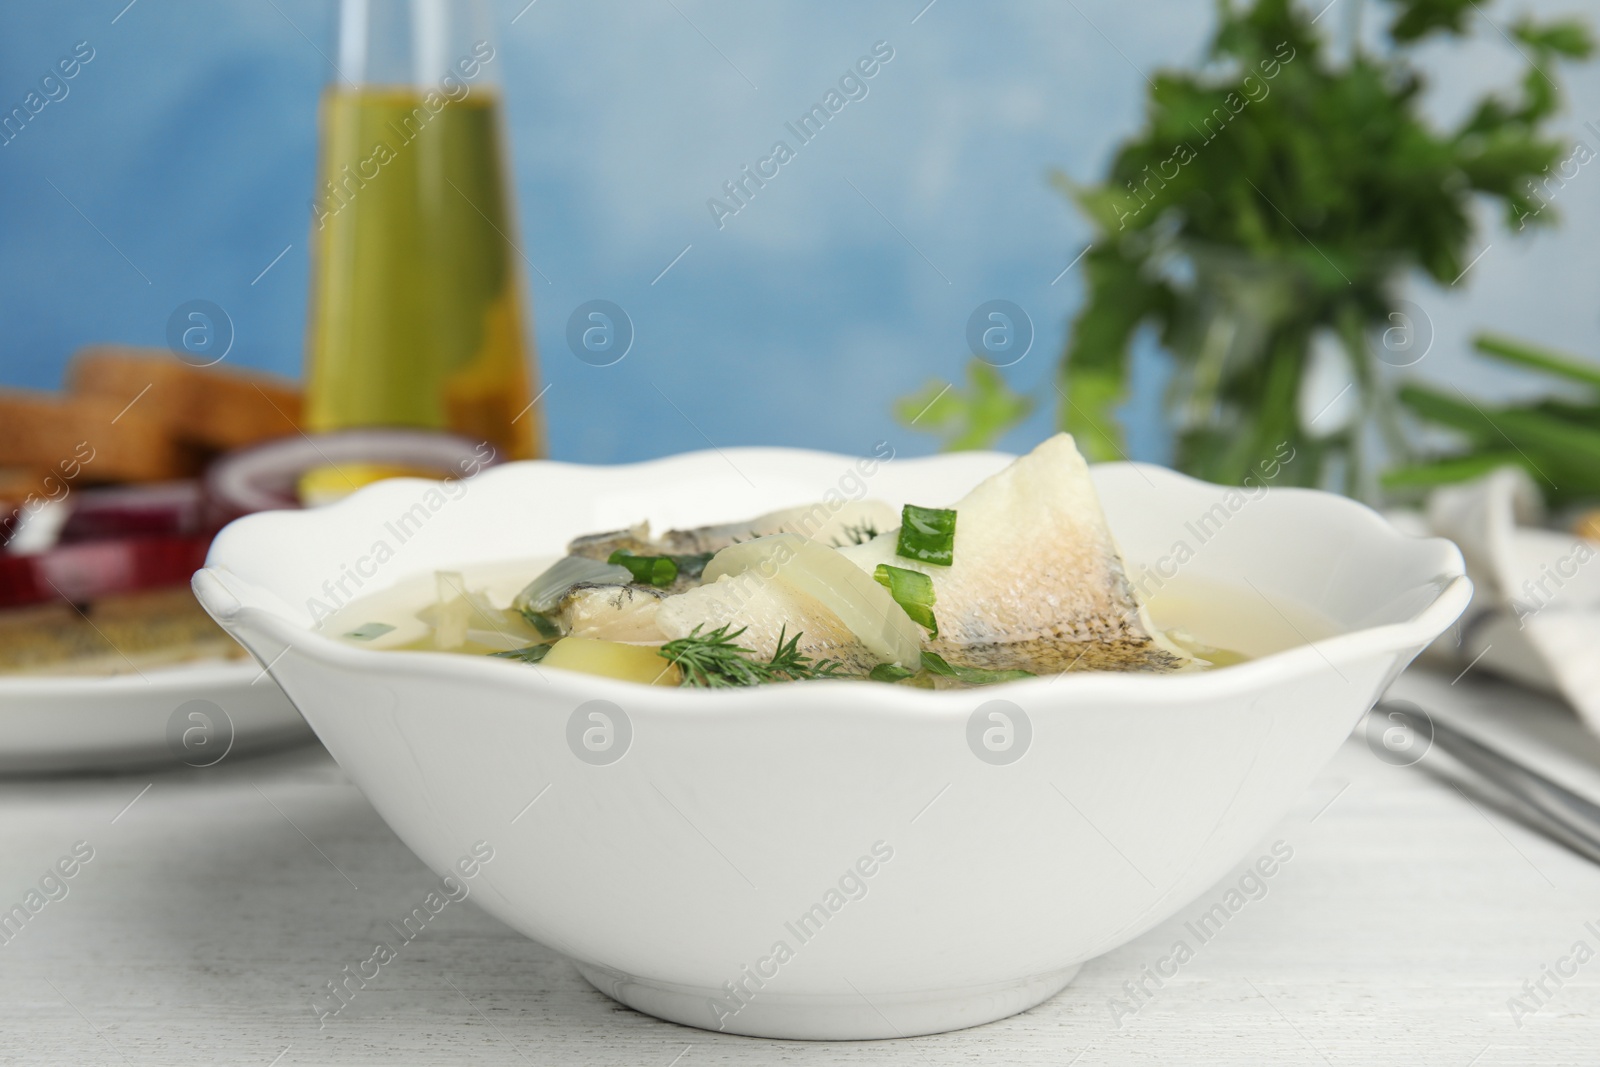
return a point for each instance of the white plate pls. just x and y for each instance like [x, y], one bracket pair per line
[194, 713]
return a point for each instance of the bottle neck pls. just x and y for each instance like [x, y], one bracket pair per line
[415, 43]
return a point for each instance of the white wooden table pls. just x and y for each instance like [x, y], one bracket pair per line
[219, 903]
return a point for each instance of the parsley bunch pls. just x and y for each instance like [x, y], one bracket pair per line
[1277, 197]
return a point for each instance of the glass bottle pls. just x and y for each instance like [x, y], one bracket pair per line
[416, 314]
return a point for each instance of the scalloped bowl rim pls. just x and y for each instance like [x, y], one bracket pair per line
[1455, 590]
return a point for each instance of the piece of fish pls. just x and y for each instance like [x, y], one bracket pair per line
[611, 612]
[767, 611]
[845, 523]
[1037, 583]
[635, 539]
[626, 612]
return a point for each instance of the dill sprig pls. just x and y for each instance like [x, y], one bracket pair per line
[716, 660]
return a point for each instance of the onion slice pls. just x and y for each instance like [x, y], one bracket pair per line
[86, 571]
[266, 477]
[820, 572]
[162, 509]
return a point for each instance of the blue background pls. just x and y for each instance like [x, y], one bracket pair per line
[182, 161]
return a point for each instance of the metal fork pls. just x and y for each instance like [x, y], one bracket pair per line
[1522, 792]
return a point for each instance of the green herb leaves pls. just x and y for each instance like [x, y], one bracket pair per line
[913, 591]
[647, 570]
[531, 654]
[927, 535]
[716, 661]
[890, 672]
[934, 663]
[974, 417]
[1280, 190]
[660, 571]
[543, 624]
[1556, 440]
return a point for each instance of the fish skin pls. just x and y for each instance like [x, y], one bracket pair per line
[820, 522]
[1037, 582]
[610, 612]
[635, 539]
[768, 611]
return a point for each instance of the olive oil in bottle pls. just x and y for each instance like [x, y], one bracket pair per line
[416, 315]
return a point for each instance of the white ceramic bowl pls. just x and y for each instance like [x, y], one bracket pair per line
[944, 887]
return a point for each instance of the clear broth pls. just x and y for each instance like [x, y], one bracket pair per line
[1224, 623]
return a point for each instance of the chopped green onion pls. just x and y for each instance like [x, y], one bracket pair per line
[367, 631]
[547, 627]
[913, 591]
[531, 654]
[927, 535]
[660, 571]
[935, 664]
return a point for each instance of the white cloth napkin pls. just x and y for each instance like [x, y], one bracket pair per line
[1535, 612]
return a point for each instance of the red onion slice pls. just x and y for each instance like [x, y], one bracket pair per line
[266, 477]
[89, 570]
[161, 509]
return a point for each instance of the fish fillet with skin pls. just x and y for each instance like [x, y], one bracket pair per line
[821, 523]
[1036, 583]
[764, 612]
[628, 612]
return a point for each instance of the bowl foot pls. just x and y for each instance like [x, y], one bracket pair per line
[824, 1017]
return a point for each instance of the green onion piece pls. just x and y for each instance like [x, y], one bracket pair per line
[913, 591]
[660, 571]
[547, 627]
[927, 535]
[933, 663]
[369, 630]
[1579, 370]
[531, 654]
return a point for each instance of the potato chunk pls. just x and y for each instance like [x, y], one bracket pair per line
[612, 659]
